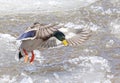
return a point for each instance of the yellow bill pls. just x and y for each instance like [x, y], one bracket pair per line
[65, 43]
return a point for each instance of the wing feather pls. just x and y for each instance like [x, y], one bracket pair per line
[43, 30]
[51, 42]
[80, 37]
[27, 35]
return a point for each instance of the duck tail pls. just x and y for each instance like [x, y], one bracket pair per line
[20, 55]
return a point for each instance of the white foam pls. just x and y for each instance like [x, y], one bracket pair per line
[9, 44]
[97, 8]
[90, 26]
[110, 43]
[75, 26]
[92, 61]
[47, 81]
[26, 80]
[92, 69]
[70, 25]
[10, 6]
[56, 75]
[70, 35]
[10, 39]
[115, 28]
[38, 56]
[64, 29]
[7, 79]
[93, 27]
[7, 37]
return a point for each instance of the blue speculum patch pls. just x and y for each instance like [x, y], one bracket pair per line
[27, 35]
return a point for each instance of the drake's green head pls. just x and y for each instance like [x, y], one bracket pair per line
[60, 36]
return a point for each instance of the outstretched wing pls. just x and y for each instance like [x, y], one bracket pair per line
[39, 31]
[44, 30]
[80, 37]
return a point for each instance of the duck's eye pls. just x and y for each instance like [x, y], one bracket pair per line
[62, 37]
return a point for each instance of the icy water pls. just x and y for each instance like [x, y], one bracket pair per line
[95, 61]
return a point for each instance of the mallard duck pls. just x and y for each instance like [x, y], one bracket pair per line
[46, 35]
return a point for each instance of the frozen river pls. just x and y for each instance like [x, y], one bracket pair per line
[95, 61]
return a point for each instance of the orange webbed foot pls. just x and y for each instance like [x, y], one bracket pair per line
[26, 59]
[32, 58]
[26, 56]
